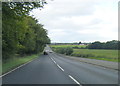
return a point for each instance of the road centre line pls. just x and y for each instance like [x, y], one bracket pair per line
[53, 60]
[74, 80]
[60, 67]
[57, 64]
[68, 75]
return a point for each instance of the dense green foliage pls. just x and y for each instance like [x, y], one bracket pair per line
[21, 33]
[108, 45]
[66, 50]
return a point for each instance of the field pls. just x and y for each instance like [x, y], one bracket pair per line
[80, 46]
[108, 55]
[100, 54]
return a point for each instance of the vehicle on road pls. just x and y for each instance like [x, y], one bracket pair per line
[50, 51]
[45, 53]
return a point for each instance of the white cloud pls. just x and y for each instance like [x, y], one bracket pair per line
[80, 20]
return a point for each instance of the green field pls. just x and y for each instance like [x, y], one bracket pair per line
[80, 46]
[14, 62]
[108, 55]
[100, 54]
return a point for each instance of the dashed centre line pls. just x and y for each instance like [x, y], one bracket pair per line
[57, 65]
[53, 61]
[68, 75]
[60, 67]
[74, 80]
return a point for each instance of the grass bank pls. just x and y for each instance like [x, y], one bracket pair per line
[15, 62]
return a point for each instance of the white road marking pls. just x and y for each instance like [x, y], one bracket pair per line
[54, 62]
[52, 59]
[60, 67]
[104, 68]
[57, 64]
[74, 80]
[69, 75]
[15, 69]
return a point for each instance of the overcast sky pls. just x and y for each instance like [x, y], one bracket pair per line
[79, 20]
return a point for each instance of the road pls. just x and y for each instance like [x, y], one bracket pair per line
[54, 69]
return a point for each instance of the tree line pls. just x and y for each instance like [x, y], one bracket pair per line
[21, 33]
[114, 44]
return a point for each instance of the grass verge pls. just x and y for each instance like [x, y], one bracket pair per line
[15, 62]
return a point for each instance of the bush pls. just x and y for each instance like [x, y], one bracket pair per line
[62, 50]
[68, 51]
[76, 47]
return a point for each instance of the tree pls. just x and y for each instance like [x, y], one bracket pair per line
[18, 33]
[108, 45]
[95, 45]
[80, 42]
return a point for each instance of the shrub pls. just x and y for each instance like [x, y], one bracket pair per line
[68, 51]
[76, 47]
[62, 50]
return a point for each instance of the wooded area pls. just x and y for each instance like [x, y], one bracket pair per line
[21, 33]
[114, 44]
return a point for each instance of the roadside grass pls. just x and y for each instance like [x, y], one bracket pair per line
[15, 62]
[72, 46]
[108, 55]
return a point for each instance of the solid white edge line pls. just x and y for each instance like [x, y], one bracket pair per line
[15, 69]
[60, 67]
[74, 80]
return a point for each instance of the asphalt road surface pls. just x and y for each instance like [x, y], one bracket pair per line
[54, 69]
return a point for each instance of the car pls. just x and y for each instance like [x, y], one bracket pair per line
[45, 53]
[50, 51]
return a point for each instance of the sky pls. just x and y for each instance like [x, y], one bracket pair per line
[79, 20]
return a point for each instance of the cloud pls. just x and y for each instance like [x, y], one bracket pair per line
[75, 20]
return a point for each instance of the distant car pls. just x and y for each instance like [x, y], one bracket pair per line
[50, 51]
[45, 53]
